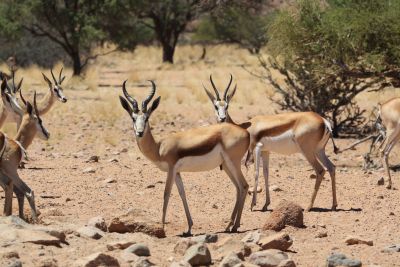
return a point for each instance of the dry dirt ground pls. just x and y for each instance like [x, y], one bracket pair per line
[93, 123]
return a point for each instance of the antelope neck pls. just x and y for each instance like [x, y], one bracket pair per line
[26, 133]
[148, 146]
[47, 102]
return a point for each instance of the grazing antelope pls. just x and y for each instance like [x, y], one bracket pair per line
[10, 110]
[389, 112]
[287, 133]
[55, 93]
[194, 150]
[11, 155]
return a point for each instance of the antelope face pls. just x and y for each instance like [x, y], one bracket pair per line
[220, 105]
[140, 118]
[9, 97]
[56, 89]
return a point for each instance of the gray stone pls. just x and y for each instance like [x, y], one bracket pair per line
[89, 170]
[13, 263]
[252, 237]
[98, 222]
[97, 259]
[138, 249]
[392, 248]
[198, 254]
[142, 262]
[230, 260]
[229, 245]
[270, 258]
[338, 259]
[281, 241]
[91, 232]
[182, 245]
[207, 238]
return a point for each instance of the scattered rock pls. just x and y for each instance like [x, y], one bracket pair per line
[93, 159]
[252, 237]
[113, 160]
[119, 245]
[131, 223]
[99, 223]
[381, 181]
[182, 245]
[207, 238]
[230, 260]
[229, 245]
[180, 264]
[110, 181]
[321, 234]
[286, 213]
[251, 189]
[91, 232]
[313, 176]
[338, 259]
[271, 258]
[275, 188]
[198, 255]
[392, 248]
[48, 263]
[97, 259]
[142, 262]
[14, 230]
[139, 250]
[281, 241]
[89, 170]
[352, 240]
[10, 255]
[13, 262]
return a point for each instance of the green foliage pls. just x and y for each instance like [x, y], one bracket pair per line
[236, 24]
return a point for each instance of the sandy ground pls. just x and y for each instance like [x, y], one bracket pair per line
[93, 123]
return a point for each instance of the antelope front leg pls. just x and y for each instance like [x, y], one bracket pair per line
[167, 193]
[182, 194]
[8, 190]
[265, 157]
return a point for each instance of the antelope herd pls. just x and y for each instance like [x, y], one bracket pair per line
[222, 145]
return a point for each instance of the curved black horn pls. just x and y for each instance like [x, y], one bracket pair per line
[129, 98]
[227, 88]
[14, 90]
[148, 99]
[35, 104]
[59, 76]
[215, 88]
[54, 78]
[22, 97]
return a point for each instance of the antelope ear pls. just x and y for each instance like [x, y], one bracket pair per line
[29, 108]
[126, 105]
[154, 105]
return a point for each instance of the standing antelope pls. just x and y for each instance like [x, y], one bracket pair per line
[389, 112]
[11, 155]
[10, 109]
[287, 133]
[194, 150]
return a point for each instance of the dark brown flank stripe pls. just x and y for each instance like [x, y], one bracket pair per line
[202, 147]
[270, 132]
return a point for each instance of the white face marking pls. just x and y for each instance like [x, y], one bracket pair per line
[221, 108]
[59, 93]
[139, 123]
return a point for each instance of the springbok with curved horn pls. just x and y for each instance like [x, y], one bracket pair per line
[11, 155]
[11, 110]
[287, 133]
[194, 150]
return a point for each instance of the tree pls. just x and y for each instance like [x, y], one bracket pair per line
[240, 22]
[75, 25]
[168, 19]
[329, 53]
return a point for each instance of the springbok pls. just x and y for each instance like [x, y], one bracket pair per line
[194, 150]
[11, 110]
[389, 112]
[55, 93]
[11, 155]
[287, 133]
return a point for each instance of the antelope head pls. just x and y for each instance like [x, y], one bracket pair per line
[141, 117]
[56, 89]
[8, 94]
[32, 118]
[220, 105]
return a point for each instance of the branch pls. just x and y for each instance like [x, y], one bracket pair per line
[96, 56]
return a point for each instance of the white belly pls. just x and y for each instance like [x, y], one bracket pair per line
[282, 144]
[204, 162]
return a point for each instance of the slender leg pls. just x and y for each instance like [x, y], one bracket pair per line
[21, 199]
[319, 171]
[392, 139]
[167, 193]
[181, 190]
[332, 172]
[257, 154]
[265, 157]
[8, 190]
[234, 211]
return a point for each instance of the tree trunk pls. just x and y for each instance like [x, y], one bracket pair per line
[168, 52]
[77, 64]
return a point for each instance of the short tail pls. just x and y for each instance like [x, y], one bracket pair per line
[336, 150]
